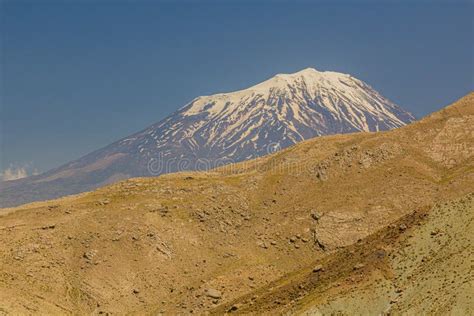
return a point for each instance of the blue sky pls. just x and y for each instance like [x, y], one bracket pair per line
[78, 75]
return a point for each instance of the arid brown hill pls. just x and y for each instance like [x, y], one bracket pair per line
[199, 242]
[419, 265]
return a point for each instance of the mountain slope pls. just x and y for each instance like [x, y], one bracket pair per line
[419, 265]
[229, 127]
[203, 241]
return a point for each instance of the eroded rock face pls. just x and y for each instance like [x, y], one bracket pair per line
[407, 272]
[353, 157]
[451, 146]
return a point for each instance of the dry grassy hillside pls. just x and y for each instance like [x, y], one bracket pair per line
[418, 265]
[195, 242]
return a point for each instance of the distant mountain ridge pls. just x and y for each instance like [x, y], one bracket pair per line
[224, 128]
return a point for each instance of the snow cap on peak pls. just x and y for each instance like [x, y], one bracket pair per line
[302, 94]
[306, 71]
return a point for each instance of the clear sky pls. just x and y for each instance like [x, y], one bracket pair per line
[78, 75]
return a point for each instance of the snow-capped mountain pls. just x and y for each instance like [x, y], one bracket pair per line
[226, 127]
[278, 112]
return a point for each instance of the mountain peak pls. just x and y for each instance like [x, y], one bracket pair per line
[312, 72]
[306, 71]
[312, 79]
[306, 97]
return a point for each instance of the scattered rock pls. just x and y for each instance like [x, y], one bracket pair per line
[359, 266]
[318, 268]
[321, 172]
[435, 232]
[89, 255]
[315, 215]
[320, 244]
[380, 253]
[235, 307]
[213, 293]
[163, 210]
[402, 227]
[103, 202]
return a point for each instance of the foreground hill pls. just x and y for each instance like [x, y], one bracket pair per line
[223, 128]
[195, 242]
[419, 265]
